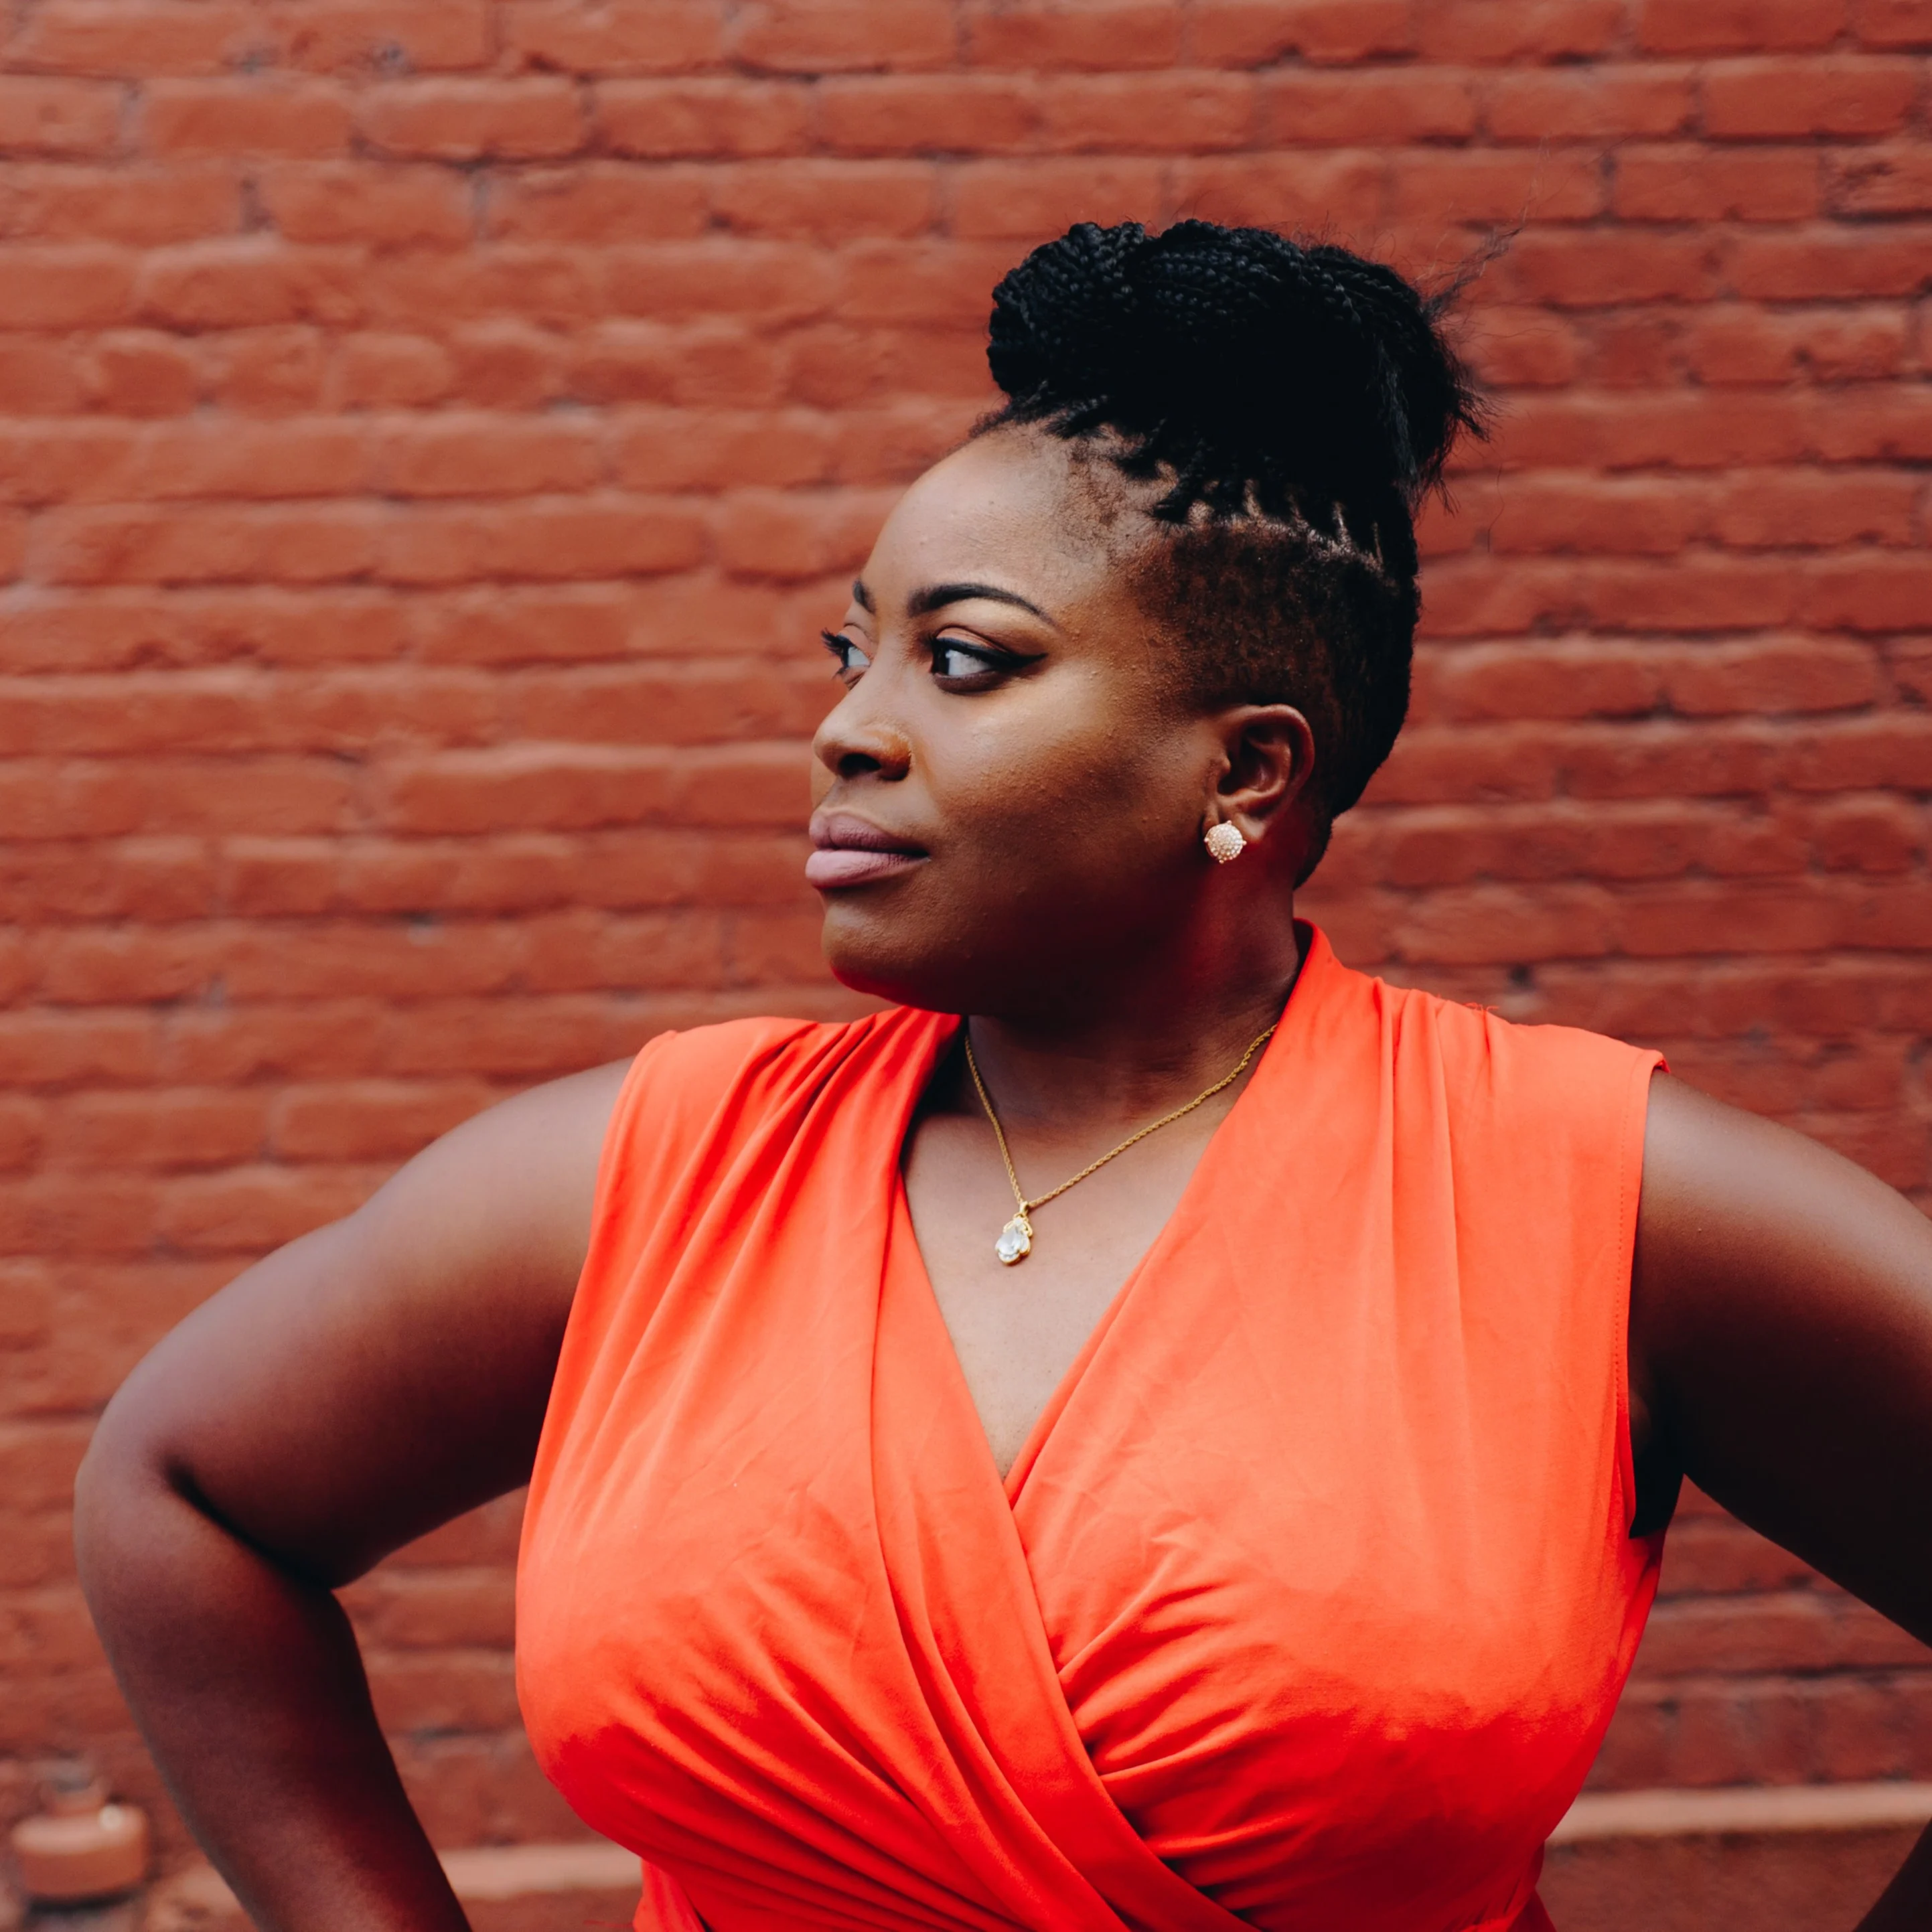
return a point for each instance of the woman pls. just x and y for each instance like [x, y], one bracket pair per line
[1339, 1350]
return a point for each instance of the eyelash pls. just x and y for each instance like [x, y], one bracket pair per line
[840, 648]
[989, 661]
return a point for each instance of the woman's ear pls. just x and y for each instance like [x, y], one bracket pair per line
[1269, 761]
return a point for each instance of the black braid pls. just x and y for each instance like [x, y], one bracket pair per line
[1298, 402]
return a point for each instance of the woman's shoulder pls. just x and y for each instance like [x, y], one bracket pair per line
[685, 1078]
[1516, 1076]
[699, 1062]
[1482, 1039]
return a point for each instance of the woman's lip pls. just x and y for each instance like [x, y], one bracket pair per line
[855, 866]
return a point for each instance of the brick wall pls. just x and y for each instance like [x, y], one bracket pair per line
[430, 434]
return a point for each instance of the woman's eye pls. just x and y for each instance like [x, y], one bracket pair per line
[852, 658]
[955, 661]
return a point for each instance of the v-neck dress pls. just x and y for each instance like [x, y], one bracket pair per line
[1306, 1603]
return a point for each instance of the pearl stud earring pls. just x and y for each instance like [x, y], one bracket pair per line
[1224, 842]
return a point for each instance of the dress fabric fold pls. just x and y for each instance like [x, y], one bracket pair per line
[1306, 1603]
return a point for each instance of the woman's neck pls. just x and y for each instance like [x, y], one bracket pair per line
[1121, 1049]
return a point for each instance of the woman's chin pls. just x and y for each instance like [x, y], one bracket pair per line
[885, 959]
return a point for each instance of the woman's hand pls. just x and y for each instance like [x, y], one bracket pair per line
[364, 1384]
[1781, 1357]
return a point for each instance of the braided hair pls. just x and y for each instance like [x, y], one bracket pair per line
[1297, 402]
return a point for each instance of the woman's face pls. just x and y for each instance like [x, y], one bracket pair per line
[1011, 793]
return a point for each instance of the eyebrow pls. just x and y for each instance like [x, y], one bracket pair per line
[863, 597]
[937, 596]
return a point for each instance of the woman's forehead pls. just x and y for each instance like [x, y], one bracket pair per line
[1018, 508]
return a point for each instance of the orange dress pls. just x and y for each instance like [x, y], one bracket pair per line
[1306, 1603]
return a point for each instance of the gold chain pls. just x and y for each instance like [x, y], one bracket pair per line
[1026, 1207]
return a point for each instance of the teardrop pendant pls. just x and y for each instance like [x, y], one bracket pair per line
[1015, 1241]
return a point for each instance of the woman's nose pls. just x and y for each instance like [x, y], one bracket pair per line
[858, 737]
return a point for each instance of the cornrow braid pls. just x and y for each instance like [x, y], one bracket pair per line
[1297, 402]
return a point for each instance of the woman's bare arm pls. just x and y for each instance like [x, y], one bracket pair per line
[1781, 1357]
[362, 1385]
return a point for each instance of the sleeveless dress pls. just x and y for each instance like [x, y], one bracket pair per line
[1306, 1603]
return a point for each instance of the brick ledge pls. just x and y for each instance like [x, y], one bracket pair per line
[1743, 1808]
[487, 1873]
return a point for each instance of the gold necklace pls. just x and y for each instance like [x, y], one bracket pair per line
[1015, 1241]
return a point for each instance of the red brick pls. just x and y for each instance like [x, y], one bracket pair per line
[1891, 23]
[134, 38]
[1683, 429]
[1029, 202]
[179, 1130]
[710, 703]
[1256, 33]
[187, 545]
[249, 1210]
[370, 1121]
[1187, 113]
[1829, 264]
[481, 456]
[825, 199]
[355, 36]
[1341, 193]
[134, 373]
[841, 36]
[1503, 186]
[65, 288]
[939, 285]
[620, 36]
[723, 364]
[1688, 184]
[1855, 424]
[1768, 677]
[22, 1133]
[472, 120]
[270, 116]
[1804, 510]
[1103, 36]
[543, 539]
[64, 119]
[677, 449]
[1876, 181]
[462, 1691]
[785, 281]
[1765, 99]
[267, 371]
[661, 120]
[796, 534]
[1586, 103]
[1602, 268]
[598, 202]
[1560, 515]
[579, 787]
[1875, 593]
[37, 377]
[50, 1049]
[1380, 104]
[922, 114]
[379, 370]
[383, 207]
[1738, 26]
[1733, 344]
[140, 203]
[1874, 834]
[1500, 32]
[561, 286]
[244, 284]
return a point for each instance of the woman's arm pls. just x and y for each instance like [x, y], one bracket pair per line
[1781, 1357]
[362, 1385]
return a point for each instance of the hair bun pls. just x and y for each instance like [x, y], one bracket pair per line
[1252, 364]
